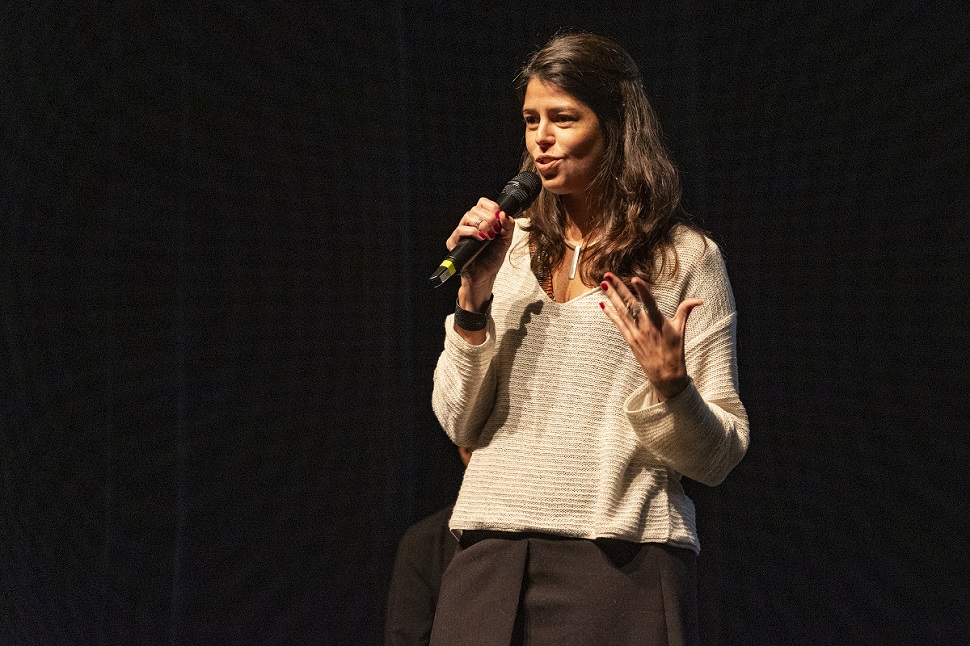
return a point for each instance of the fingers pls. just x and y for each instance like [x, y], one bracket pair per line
[465, 230]
[508, 223]
[615, 317]
[485, 217]
[483, 221]
[487, 205]
[627, 306]
[644, 293]
[684, 310]
[650, 308]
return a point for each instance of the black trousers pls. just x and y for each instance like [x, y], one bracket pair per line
[506, 589]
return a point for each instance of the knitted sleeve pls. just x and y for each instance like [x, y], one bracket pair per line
[702, 432]
[464, 385]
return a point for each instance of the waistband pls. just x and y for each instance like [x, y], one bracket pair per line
[617, 549]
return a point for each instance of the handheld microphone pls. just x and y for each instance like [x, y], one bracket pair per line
[521, 191]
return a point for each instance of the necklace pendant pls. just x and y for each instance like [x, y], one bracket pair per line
[572, 268]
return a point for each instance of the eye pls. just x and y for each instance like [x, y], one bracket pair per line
[531, 120]
[565, 118]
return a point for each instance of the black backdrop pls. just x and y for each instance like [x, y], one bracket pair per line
[217, 223]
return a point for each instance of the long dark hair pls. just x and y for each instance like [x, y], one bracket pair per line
[638, 186]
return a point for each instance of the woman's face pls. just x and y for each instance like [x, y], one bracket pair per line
[564, 137]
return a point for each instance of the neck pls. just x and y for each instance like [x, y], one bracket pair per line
[577, 218]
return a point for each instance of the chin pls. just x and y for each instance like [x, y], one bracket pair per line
[557, 189]
[554, 185]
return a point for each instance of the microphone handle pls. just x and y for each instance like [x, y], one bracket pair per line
[468, 248]
[464, 252]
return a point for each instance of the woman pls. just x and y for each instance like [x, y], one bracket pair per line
[590, 363]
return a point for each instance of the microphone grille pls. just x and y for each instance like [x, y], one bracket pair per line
[530, 182]
[520, 193]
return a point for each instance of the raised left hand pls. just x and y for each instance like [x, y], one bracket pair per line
[657, 342]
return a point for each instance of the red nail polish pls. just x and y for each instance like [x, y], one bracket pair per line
[602, 305]
[604, 285]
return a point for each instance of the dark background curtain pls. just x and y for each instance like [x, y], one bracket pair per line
[218, 342]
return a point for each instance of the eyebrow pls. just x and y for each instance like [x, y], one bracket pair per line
[555, 108]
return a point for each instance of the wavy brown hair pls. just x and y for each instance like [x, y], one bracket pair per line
[638, 186]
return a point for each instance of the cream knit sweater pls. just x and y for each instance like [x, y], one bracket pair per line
[569, 437]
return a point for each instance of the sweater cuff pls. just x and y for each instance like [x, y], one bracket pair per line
[464, 354]
[649, 416]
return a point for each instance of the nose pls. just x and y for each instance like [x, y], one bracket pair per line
[544, 136]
